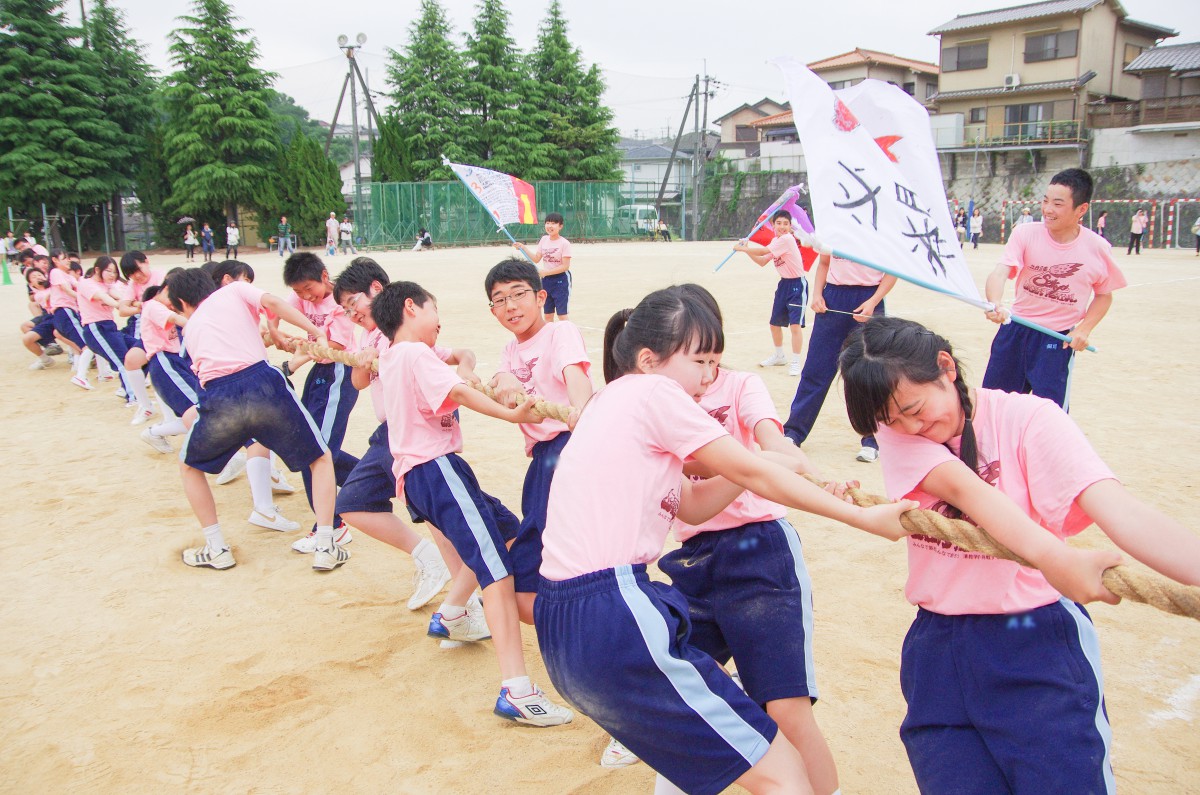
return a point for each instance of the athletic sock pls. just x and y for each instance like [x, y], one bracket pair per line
[518, 686]
[136, 381]
[214, 537]
[779, 351]
[258, 472]
[324, 540]
[82, 362]
[452, 611]
[104, 368]
[171, 427]
[426, 553]
[664, 787]
[796, 358]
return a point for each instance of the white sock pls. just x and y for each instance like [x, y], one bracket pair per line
[518, 686]
[452, 611]
[104, 368]
[216, 541]
[427, 554]
[82, 362]
[779, 350]
[796, 358]
[664, 787]
[171, 427]
[324, 533]
[258, 472]
[136, 381]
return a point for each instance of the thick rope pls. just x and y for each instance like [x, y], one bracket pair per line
[1145, 587]
[543, 409]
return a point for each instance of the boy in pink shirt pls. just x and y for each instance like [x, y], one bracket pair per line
[420, 395]
[791, 294]
[138, 275]
[1065, 277]
[554, 251]
[328, 393]
[244, 398]
[547, 361]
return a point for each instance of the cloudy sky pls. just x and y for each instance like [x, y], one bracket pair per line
[650, 50]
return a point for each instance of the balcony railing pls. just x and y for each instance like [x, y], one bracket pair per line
[1148, 111]
[1023, 133]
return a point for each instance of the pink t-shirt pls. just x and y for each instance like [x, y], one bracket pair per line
[739, 401]
[786, 253]
[553, 251]
[222, 334]
[416, 387]
[42, 298]
[538, 363]
[159, 333]
[617, 485]
[1055, 281]
[1031, 451]
[90, 309]
[60, 298]
[851, 274]
[132, 291]
[329, 317]
[375, 339]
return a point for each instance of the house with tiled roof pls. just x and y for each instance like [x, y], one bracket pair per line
[1024, 76]
[735, 125]
[917, 78]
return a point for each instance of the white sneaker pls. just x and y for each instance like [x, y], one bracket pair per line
[121, 393]
[108, 376]
[141, 416]
[774, 360]
[81, 382]
[617, 755]
[794, 367]
[235, 467]
[470, 627]
[330, 559]
[867, 455]
[276, 521]
[53, 349]
[428, 582]
[279, 483]
[70, 359]
[533, 710]
[308, 544]
[157, 442]
[44, 361]
[203, 556]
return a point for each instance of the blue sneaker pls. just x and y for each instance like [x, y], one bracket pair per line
[532, 710]
[470, 626]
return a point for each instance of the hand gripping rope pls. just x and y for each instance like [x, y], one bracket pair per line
[1145, 587]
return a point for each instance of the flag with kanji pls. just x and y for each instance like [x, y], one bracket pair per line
[875, 180]
[508, 199]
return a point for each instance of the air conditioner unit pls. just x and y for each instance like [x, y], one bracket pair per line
[1012, 81]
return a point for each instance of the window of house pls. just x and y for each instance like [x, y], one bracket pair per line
[909, 88]
[965, 56]
[930, 90]
[978, 115]
[1051, 46]
[1131, 51]
[1154, 85]
[744, 132]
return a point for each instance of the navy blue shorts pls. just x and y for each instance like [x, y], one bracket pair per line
[174, 381]
[750, 598]
[371, 484]
[329, 397]
[1027, 361]
[444, 492]
[617, 648]
[1006, 703]
[527, 549]
[791, 297]
[506, 520]
[558, 293]
[66, 323]
[254, 403]
[108, 342]
[44, 326]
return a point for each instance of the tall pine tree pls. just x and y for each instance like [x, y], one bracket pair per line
[506, 132]
[426, 83]
[126, 85]
[391, 161]
[585, 144]
[56, 145]
[312, 186]
[220, 139]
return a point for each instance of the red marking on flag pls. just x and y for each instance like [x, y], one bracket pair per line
[843, 119]
[886, 142]
[526, 201]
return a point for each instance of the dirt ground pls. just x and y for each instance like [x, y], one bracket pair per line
[126, 671]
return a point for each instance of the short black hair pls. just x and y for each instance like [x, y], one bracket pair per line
[781, 214]
[358, 277]
[387, 308]
[233, 268]
[190, 286]
[130, 261]
[151, 291]
[303, 266]
[1078, 181]
[554, 218]
[512, 270]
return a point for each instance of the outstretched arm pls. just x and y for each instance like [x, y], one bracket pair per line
[1143, 531]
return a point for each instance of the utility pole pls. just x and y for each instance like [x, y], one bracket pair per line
[354, 79]
[696, 164]
[675, 148]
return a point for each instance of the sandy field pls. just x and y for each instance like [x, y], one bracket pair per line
[125, 671]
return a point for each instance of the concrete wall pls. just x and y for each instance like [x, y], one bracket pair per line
[1120, 147]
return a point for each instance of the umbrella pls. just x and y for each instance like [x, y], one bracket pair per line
[187, 219]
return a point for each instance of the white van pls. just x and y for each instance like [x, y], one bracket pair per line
[636, 218]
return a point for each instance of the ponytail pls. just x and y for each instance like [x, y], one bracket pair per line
[616, 324]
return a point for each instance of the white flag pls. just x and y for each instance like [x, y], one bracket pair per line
[508, 199]
[875, 182]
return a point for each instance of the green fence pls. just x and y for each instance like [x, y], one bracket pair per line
[393, 212]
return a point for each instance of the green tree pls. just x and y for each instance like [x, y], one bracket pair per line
[56, 144]
[126, 85]
[220, 139]
[312, 186]
[426, 82]
[585, 143]
[506, 132]
[287, 112]
[391, 161]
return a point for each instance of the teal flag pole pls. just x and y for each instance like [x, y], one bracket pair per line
[937, 288]
[766, 217]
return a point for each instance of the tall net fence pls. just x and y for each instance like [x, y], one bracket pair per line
[393, 213]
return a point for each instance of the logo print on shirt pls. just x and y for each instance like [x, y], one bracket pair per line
[447, 421]
[525, 371]
[670, 505]
[1045, 283]
[990, 474]
[720, 415]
